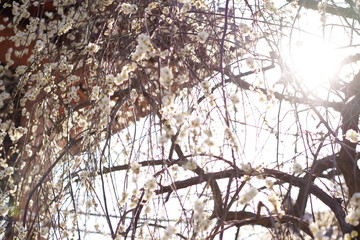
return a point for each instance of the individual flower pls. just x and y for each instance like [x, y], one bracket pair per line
[169, 232]
[209, 142]
[92, 48]
[202, 36]
[82, 123]
[39, 46]
[248, 196]
[135, 167]
[234, 98]
[244, 28]
[353, 218]
[151, 6]
[44, 231]
[180, 118]
[246, 167]
[297, 168]
[9, 171]
[269, 183]
[195, 123]
[347, 236]
[151, 184]
[166, 77]
[148, 195]
[129, 8]
[17, 133]
[205, 86]
[166, 10]
[250, 62]
[147, 209]
[321, 6]
[355, 199]
[352, 136]
[190, 165]
[143, 39]
[181, 79]
[175, 168]
[164, 54]
[167, 100]
[4, 210]
[199, 205]
[274, 200]
[84, 175]
[319, 235]
[186, 7]
[314, 228]
[133, 95]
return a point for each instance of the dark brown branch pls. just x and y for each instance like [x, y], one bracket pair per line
[218, 205]
[346, 161]
[127, 166]
[331, 9]
[316, 170]
[243, 218]
[199, 179]
[331, 202]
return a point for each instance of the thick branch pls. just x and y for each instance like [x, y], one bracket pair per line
[316, 170]
[332, 203]
[346, 161]
[331, 9]
[243, 218]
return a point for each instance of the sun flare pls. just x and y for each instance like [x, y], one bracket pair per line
[314, 63]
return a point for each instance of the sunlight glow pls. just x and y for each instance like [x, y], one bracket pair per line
[314, 62]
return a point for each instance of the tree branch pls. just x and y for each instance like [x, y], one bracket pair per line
[331, 9]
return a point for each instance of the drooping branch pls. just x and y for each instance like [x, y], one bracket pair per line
[45, 175]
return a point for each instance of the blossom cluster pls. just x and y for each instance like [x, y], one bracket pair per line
[317, 231]
[202, 222]
[143, 49]
[166, 77]
[83, 81]
[248, 195]
[354, 215]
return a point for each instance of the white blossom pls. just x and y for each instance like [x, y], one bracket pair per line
[298, 168]
[352, 136]
[92, 48]
[128, 8]
[166, 77]
[355, 199]
[248, 195]
[202, 36]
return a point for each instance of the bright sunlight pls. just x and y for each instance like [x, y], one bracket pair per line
[314, 62]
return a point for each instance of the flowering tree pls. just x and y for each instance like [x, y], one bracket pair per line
[177, 119]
